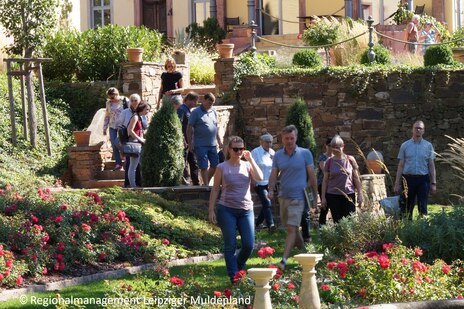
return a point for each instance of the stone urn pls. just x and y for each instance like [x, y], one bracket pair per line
[225, 50]
[134, 54]
[82, 138]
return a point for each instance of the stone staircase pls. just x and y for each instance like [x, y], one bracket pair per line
[107, 177]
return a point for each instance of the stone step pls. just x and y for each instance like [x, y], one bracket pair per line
[200, 89]
[106, 183]
[110, 164]
[110, 175]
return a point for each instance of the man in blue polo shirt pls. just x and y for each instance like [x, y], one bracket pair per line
[203, 137]
[417, 169]
[295, 167]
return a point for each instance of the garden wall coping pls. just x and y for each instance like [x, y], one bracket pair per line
[431, 304]
[112, 274]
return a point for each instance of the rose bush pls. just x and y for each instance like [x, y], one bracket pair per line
[395, 274]
[45, 233]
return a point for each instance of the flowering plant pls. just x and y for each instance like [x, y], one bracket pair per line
[394, 275]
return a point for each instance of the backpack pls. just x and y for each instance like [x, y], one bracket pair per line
[123, 135]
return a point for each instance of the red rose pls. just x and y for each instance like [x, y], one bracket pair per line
[446, 269]
[227, 293]
[85, 227]
[418, 252]
[58, 219]
[9, 263]
[45, 271]
[296, 298]
[331, 265]
[276, 286]
[383, 260]
[166, 242]
[59, 257]
[63, 206]
[1, 276]
[19, 280]
[239, 275]
[176, 280]
[325, 287]
[34, 219]
[217, 294]
[290, 286]
[102, 256]
[459, 296]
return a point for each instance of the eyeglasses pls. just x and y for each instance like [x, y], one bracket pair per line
[237, 149]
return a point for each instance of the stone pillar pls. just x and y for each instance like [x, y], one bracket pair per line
[309, 294]
[224, 74]
[84, 163]
[262, 295]
[373, 186]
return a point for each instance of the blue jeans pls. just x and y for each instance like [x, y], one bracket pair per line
[229, 220]
[266, 207]
[115, 143]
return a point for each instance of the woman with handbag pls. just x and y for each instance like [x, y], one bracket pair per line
[136, 140]
[341, 181]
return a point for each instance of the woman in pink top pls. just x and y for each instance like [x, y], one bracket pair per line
[234, 209]
[341, 181]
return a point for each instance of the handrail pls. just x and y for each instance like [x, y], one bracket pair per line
[415, 43]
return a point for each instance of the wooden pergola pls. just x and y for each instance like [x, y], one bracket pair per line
[26, 66]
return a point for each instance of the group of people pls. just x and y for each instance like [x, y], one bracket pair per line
[427, 35]
[337, 184]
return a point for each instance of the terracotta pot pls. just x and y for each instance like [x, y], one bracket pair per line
[225, 50]
[82, 138]
[134, 54]
[375, 166]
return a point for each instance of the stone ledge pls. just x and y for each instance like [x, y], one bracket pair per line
[112, 274]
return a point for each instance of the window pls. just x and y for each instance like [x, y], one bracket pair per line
[200, 11]
[100, 13]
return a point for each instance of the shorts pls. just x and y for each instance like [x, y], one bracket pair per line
[291, 211]
[205, 153]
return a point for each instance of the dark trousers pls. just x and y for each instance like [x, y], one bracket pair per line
[138, 174]
[324, 211]
[191, 167]
[340, 205]
[418, 186]
[266, 206]
[305, 221]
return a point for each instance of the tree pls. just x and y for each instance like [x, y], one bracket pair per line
[162, 158]
[298, 115]
[28, 22]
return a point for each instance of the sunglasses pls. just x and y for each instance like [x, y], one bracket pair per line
[237, 149]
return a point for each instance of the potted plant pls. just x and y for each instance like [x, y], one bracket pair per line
[134, 54]
[82, 138]
[225, 50]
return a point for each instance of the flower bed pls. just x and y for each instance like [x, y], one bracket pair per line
[41, 235]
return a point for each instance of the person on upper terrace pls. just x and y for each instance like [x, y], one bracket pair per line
[172, 83]
[411, 34]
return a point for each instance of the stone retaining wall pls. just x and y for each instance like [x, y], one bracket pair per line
[372, 111]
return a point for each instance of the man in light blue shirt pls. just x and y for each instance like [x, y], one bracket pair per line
[263, 156]
[203, 137]
[417, 169]
[295, 166]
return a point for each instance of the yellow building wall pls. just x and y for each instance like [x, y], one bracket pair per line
[290, 12]
[122, 13]
[84, 15]
[181, 16]
[236, 8]
[325, 7]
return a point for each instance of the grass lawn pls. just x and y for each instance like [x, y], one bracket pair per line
[213, 274]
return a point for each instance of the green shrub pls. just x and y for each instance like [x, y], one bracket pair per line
[438, 54]
[382, 55]
[458, 36]
[298, 115]
[96, 54]
[162, 158]
[307, 58]
[207, 35]
[201, 65]
[248, 64]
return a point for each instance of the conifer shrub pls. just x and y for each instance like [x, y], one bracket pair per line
[438, 54]
[382, 55]
[162, 157]
[298, 115]
[308, 58]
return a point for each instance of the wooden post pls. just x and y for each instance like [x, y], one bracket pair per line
[44, 110]
[11, 99]
[31, 107]
[23, 102]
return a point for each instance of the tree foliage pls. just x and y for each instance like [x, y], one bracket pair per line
[298, 115]
[162, 158]
[27, 21]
